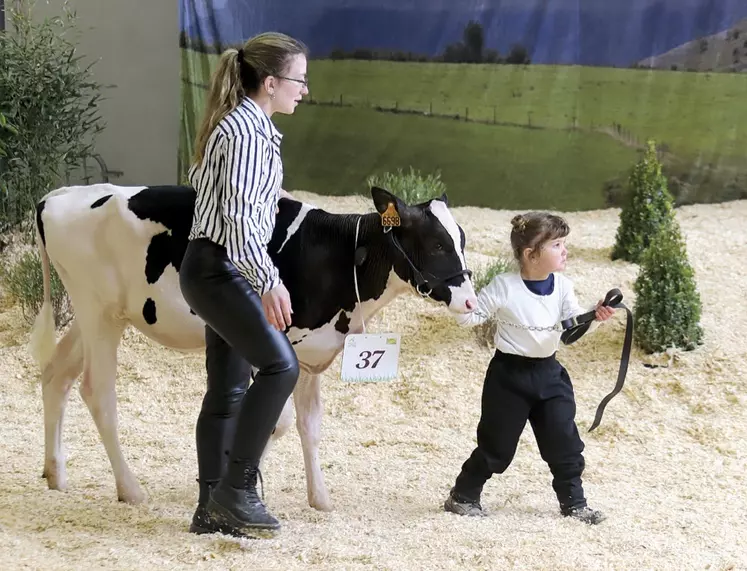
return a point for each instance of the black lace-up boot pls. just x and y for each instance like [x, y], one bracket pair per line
[201, 520]
[237, 509]
[584, 514]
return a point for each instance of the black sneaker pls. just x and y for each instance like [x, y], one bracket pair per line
[463, 507]
[240, 511]
[584, 514]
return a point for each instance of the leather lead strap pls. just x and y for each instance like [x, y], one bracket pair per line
[577, 326]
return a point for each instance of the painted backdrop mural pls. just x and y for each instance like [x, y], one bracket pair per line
[516, 103]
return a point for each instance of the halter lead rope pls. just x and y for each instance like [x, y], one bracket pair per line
[355, 273]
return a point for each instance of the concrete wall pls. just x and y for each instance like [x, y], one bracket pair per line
[136, 43]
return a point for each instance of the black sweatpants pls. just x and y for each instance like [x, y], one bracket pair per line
[518, 389]
[235, 422]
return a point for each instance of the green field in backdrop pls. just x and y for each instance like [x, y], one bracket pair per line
[494, 159]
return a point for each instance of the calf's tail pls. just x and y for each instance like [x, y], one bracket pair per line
[42, 341]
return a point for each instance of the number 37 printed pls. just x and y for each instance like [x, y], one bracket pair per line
[369, 359]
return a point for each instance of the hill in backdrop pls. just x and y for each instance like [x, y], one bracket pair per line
[725, 51]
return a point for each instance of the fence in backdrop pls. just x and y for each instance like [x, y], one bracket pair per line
[486, 115]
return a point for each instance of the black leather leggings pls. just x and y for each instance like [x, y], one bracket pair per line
[235, 423]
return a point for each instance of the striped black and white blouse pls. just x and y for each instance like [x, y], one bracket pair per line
[238, 184]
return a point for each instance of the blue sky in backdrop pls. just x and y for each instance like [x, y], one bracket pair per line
[587, 32]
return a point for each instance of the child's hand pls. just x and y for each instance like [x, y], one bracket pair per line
[603, 313]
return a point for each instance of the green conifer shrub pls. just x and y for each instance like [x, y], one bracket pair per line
[667, 306]
[649, 206]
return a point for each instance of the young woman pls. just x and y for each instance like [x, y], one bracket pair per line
[229, 280]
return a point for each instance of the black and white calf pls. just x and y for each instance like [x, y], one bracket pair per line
[118, 251]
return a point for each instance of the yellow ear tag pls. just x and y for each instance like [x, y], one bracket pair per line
[390, 216]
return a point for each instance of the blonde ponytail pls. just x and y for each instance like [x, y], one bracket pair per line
[226, 93]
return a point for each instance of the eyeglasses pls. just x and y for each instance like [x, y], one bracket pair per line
[304, 82]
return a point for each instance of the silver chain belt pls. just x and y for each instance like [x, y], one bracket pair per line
[556, 327]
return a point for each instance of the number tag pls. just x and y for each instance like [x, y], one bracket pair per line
[390, 217]
[370, 357]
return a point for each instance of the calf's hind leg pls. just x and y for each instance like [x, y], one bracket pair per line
[307, 397]
[98, 390]
[56, 380]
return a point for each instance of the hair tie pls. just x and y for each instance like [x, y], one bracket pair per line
[519, 223]
[240, 54]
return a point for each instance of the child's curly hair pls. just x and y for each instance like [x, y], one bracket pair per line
[533, 229]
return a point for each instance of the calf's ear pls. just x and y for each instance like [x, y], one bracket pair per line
[382, 198]
[385, 202]
[444, 199]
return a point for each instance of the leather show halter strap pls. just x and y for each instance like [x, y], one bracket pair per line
[576, 327]
[423, 285]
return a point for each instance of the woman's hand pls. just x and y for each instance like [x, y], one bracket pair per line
[604, 312]
[277, 306]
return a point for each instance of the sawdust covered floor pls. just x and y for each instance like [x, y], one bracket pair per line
[667, 465]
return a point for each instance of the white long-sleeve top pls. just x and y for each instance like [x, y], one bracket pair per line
[508, 301]
[237, 185]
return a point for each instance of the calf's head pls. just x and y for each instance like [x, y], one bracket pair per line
[428, 249]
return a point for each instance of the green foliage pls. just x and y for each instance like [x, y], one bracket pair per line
[667, 307]
[518, 55]
[485, 275]
[7, 130]
[471, 49]
[52, 102]
[411, 187]
[486, 331]
[24, 283]
[649, 207]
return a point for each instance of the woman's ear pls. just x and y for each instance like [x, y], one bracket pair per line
[269, 84]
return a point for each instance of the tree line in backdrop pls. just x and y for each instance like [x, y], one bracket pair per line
[471, 49]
